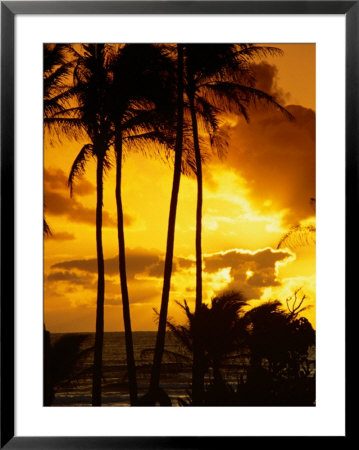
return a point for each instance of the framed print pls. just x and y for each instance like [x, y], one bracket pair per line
[175, 231]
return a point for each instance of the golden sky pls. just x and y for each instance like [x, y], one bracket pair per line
[252, 197]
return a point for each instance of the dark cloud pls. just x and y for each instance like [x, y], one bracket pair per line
[263, 258]
[56, 179]
[274, 155]
[71, 277]
[61, 236]
[250, 271]
[156, 270]
[185, 263]
[137, 261]
[266, 80]
[83, 187]
[59, 203]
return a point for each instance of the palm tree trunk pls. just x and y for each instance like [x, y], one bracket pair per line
[217, 376]
[97, 367]
[198, 354]
[48, 382]
[131, 367]
[199, 177]
[161, 333]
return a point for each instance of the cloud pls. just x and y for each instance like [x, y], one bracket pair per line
[59, 203]
[276, 156]
[156, 270]
[250, 272]
[267, 81]
[185, 263]
[137, 261]
[56, 179]
[179, 264]
[71, 277]
[61, 236]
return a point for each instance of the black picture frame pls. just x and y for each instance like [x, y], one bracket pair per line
[9, 10]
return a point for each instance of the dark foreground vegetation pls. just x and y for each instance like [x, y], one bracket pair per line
[262, 356]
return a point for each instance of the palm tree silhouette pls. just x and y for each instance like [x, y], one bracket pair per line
[277, 342]
[91, 89]
[139, 113]
[218, 79]
[155, 393]
[219, 328]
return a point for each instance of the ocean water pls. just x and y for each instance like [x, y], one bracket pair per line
[175, 373]
[175, 378]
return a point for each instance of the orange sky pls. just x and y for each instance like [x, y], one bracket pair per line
[251, 198]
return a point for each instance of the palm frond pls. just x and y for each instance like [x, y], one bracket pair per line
[78, 166]
[250, 51]
[64, 128]
[237, 95]
[298, 235]
[151, 143]
[47, 229]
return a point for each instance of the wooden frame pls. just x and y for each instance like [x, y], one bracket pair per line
[9, 9]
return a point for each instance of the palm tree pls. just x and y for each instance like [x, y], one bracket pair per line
[219, 328]
[154, 391]
[91, 87]
[218, 79]
[139, 99]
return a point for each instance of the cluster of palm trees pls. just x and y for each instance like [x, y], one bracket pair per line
[265, 343]
[167, 98]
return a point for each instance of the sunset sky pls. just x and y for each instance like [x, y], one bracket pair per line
[254, 195]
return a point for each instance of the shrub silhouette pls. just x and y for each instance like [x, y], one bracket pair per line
[274, 341]
[61, 362]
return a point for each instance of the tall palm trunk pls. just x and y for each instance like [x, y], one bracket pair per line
[97, 367]
[217, 376]
[123, 276]
[198, 353]
[160, 340]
